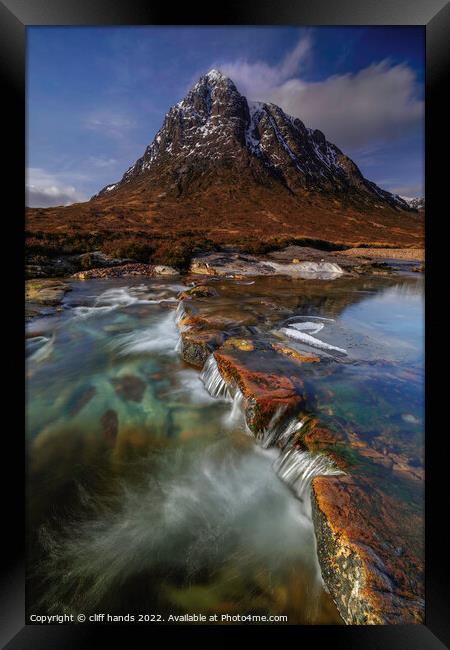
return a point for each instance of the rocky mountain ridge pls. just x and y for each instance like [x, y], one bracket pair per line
[226, 173]
[215, 128]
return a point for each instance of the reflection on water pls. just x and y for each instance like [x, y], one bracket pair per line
[145, 493]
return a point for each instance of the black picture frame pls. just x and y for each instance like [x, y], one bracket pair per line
[434, 15]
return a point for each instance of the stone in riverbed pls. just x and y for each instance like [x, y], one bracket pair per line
[300, 357]
[268, 382]
[246, 345]
[240, 265]
[110, 426]
[160, 269]
[45, 292]
[129, 387]
[197, 345]
[358, 533]
[199, 291]
[361, 519]
[123, 270]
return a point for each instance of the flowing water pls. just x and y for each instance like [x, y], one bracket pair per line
[146, 491]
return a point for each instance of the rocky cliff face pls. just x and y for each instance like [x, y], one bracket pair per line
[215, 132]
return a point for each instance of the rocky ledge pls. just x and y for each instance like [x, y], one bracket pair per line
[369, 528]
[369, 520]
[238, 264]
[124, 270]
[44, 296]
[308, 263]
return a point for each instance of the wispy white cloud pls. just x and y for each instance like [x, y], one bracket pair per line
[379, 103]
[45, 189]
[102, 163]
[114, 124]
[258, 80]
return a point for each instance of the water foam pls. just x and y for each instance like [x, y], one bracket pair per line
[44, 351]
[162, 336]
[186, 515]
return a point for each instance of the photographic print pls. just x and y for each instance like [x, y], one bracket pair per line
[225, 325]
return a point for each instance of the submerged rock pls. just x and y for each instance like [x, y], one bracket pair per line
[199, 291]
[300, 357]
[359, 531]
[129, 387]
[110, 426]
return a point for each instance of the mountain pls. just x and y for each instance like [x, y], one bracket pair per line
[228, 171]
[416, 202]
[214, 129]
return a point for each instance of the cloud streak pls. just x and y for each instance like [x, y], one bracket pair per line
[113, 124]
[377, 104]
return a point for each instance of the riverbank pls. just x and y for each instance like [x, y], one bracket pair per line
[406, 254]
[292, 260]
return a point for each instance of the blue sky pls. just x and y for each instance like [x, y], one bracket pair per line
[97, 96]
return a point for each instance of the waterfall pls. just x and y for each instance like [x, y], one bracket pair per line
[213, 380]
[298, 468]
[279, 431]
[294, 467]
[237, 415]
[180, 312]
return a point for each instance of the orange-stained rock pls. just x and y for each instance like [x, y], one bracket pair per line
[370, 547]
[265, 391]
[294, 354]
[197, 345]
[199, 291]
[245, 345]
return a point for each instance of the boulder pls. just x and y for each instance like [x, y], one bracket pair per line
[160, 269]
[199, 291]
[197, 345]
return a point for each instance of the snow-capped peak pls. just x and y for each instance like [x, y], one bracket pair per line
[215, 128]
[416, 202]
[215, 75]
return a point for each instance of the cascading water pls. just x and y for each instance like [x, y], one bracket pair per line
[298, 468]
[279, 432]
[294, 467]
[236, 416]
[213, 380]
[180, 312]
